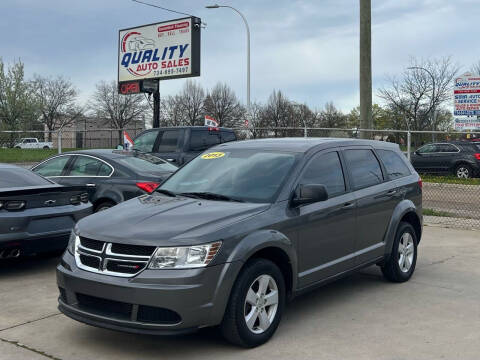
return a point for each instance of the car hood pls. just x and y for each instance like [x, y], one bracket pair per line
[165, 221]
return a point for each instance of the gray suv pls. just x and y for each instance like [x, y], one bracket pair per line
[238, 231]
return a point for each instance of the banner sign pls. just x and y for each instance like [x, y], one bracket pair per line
[467, 124]
[165, 50]
[467, 95]
[210, 121]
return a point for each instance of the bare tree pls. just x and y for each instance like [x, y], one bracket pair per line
[223, 105]
[57, 102]
[277, 112]
[257, 121]
[476, 68]
[416, 93]
[17, 105]
[192, 100]
[171, 111]
[119, 109]
[331, 117]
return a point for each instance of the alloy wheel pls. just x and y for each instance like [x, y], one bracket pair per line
[406, 251]
[463, 172]
[261, 304]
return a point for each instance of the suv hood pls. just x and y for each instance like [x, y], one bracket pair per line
[165, 221]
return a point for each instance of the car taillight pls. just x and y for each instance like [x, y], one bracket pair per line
[477, 156]
[75, 200]
[84, 197]
[213, 129]
[420, 183]
[149, 187]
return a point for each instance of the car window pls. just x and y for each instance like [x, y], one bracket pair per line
[52, 167]
[104, 170]
[86, 166]
[169, 141]
[147, 162]
[227, 136]
[13, 178]
[395, 166]
[429, 148]
[446, 148]
[203, 139]
[325, 169]
[364, 168]
[146, 141]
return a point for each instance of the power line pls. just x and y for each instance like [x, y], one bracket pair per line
[161, 7]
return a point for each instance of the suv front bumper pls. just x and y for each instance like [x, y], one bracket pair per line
[153, 302]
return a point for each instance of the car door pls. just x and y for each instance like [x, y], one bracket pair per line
[375, 199]
[54, 168]
[426, 158]
[326, 230]
[169, 146]
[446, 157]
[88, 171]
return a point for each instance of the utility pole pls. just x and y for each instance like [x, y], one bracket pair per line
[365, 67]
[156, 107]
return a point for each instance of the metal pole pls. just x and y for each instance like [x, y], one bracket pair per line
[216, 6]
[365, 67]
[156, 109]
[59, 138]
[409, 145]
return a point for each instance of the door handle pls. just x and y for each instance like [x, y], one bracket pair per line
[391, 192]
[90, 185]
[171, 160]
[348, 205]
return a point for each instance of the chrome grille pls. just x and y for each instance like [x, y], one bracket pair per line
[111, 258]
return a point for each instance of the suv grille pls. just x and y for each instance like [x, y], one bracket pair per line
[112, 259]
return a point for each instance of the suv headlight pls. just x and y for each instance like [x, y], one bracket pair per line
[184, 257]
[72, 242]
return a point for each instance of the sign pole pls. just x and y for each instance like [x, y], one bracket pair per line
[156, 107]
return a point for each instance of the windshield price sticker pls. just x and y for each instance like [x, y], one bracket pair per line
[213, 155]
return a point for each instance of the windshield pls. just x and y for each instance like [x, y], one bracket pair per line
[147, 163]
[247, 175]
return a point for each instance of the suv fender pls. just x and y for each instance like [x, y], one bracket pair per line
[404, 207]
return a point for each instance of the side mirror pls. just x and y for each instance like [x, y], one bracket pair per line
[309, 194]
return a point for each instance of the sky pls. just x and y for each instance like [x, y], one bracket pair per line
[307, 49]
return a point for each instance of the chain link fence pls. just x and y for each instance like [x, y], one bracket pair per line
[447, 199]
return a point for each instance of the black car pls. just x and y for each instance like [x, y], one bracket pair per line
[111, 176]
[180, 145]
[460, 158]
[240, 229]
[36, 214]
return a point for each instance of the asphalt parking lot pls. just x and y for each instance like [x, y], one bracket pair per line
[433, 316]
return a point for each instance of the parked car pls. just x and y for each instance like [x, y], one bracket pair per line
[36, 215]
[32, 143]
[460, 158]
[111, 176]
[179, 145]
[240, 229]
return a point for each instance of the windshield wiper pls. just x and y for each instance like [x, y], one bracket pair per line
[210, 196]
[166, 192]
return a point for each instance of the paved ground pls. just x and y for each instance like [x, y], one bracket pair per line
[436, 315]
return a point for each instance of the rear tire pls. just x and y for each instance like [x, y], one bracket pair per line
[463, 171]
[46, 148]
[399, 267]
[104, 205]
[253, 314]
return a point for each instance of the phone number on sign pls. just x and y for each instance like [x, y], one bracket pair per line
[172, 71]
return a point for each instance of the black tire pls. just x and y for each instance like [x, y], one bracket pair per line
[391, 269]
[463, 171]
[234, 327]
[46, 148]
[17, 147]
[104, 205]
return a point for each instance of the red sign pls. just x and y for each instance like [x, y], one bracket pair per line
[129, 87]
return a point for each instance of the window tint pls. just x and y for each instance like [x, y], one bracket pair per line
[203, 139]
[12, 178]
[228, 136]
[52, 167]
[394, 164]
[86, 166]
[146, 141]
[325, 169]
[429, 148]
[364, 168]
[448, 148]
[169, 141]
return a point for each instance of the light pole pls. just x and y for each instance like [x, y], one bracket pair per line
[433, 95]
[216, 6]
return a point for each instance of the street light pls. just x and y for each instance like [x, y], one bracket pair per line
[216, 6]
[433, 94]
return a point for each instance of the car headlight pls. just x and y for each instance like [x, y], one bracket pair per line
[184, 257]
[72, 242]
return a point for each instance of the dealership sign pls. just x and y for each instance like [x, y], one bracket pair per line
[159, 51]
[467, 123]
[467, 95]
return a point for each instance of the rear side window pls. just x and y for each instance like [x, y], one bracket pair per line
[394, 164]
[364, 168]
[87, 166]
[52, 167]
[446, 148]
[146, 141]
[12, 178]
[203, 139]
[325, 169]
[169, 141]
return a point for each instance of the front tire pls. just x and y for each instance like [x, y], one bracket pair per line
[256, 304]
[400, 266]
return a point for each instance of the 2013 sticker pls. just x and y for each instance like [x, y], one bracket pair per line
[213, 155]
